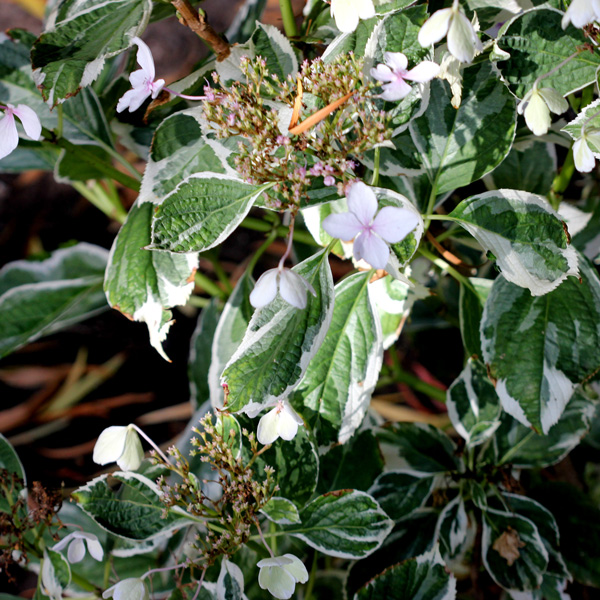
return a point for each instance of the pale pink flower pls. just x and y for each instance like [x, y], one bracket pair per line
[394, 72]
[77, 541]
[9, 136]
[142, 80]
[371, 233]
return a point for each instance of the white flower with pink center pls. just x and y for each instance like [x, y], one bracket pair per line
[9, 136]
[142, 80]
[372, 231]
[394, 73]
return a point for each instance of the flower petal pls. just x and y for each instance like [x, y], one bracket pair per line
[63, 543]
[157, 87]
[396, 61]
[372, 248]
[30, 121]
[297, 569]
[395, 90]
[362, 202]
[394, 224]
[265, 289]
[76, 551]
[292, 288]
[344, 226]
[144, 58]
[537, 115]
[435, 28]
[462, 39]
[345, 15]
[555, 102]
[132, 99]
[584, 158]
[9, 138]
[133, 453]
[268, 427]
[278, 581]
[424, 71]
[382, 73]
[95, 547]
[289, 421]
[580, 13]
[110, 445]
[364, 8]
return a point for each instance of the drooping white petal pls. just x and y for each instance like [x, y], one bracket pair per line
[31, 122]
[424, 71]
[537, 115]
[435, 28]
[584, 158]
[395, 90]
[292, 288]
[362, 202]
[344, 226]
[268, 427]
[94, 546]
[265, 289]
[289, 421]
[9, 138]
[382, 73]
[278, 581]
[396, 61]
[132, 99]
[345, 15]
[372, 248]
[144, 58]
[580, 13]
[110, 445]
[555, 102]
[394, 224]
[133, 453]
[128, 589]
[364, 8]
[76, 551]
[63, 543]
[462, 39]
[297, 569]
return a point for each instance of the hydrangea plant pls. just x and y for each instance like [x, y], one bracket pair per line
[424, 151]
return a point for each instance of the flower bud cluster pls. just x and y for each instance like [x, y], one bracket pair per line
[259, 112]
[229, 517]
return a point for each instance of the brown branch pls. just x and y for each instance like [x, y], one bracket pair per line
[196, 21]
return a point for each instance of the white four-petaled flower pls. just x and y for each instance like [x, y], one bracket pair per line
[583, 155]
[128, 589]
[463, 42]
[121, 445]
[581, 13]
[142, 80]
[348, 12]
[280, 422]
[280, 574]
[77, 542]
[394, 72]
[292, 288]
[9, 136]
[536, 107]
[370, 231]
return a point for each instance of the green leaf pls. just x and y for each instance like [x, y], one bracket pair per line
[229, 334]
[536, 355]
[421, 447]
[421, 578]
[244, 22]
[518, 445]
[470, 303]
[201, 212]
[589, 117]
[10, 461]
[458, 146]
[530, 167]
[346, 524]
[280, 341]
[537, 43]
[473, 405]
[452, 529]
[342, 375]
[281, 511]
[134, 512]
[60, 570]
[513, 551]
[269, 43]
[39, 298]
[200, 354]
[400, 492]
[179, 149]
[80, 35]
[354, 464]
[230, 585]
[525, 234]
[142, 284]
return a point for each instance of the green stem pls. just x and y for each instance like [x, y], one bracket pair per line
[289, 21]
[442, 264]
[209, 286]
[59, 126]
[562, 180]
[270, 239]
[375, 178]
[98, 196]
[198, 301]
[311, 580]
[222, 276]
[299, 236]
[84, 584]
[513, 450]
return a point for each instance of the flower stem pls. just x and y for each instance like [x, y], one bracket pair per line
[375, 179]
[311, 580]
[147, 438]
[262, 537]
[289, 21]
[556, 68]
[163, 569]
[288, 250]
[209, 286]
[184, 96]
[200, 581]
[444, 266]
